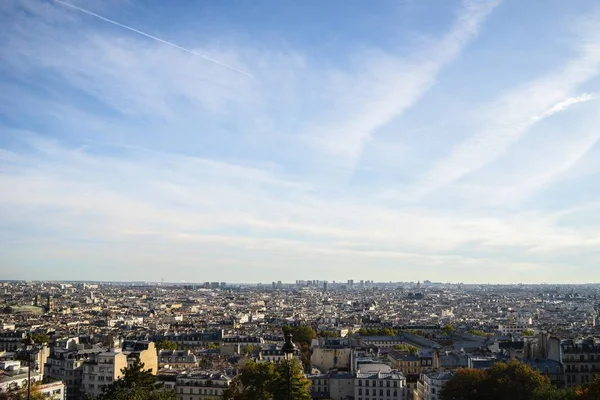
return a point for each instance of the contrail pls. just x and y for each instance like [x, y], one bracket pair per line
[93, 14]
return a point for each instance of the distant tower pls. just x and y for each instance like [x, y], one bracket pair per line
[418, 284]
[511, 320]
[325, 286]
[50, 305]
[38, 300]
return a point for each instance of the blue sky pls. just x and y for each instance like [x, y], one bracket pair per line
[387, 140]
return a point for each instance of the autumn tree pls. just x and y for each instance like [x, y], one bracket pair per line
[513, 380]
[21, 394]
[465, 385]
[590, 391]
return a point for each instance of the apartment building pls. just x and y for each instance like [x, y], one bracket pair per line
[431, 384]
[581, 361]
[380, 385]
[102, 370]
[142, 350]
[405, 362]
[201, 385]
[177, 359]
[67, 365]
[11, 340]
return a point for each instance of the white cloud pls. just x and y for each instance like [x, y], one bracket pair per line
[111, 189]
[389, 85]
[501, 124]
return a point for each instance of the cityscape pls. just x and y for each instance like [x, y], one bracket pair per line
[299, 200]
[407, 338]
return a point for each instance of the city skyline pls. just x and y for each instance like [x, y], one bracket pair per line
[242, 141]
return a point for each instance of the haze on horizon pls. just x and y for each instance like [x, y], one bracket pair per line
[456, 141]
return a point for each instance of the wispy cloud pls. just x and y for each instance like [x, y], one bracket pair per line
[510, 117]
[117, 150]
[390, 85]
[563, 105]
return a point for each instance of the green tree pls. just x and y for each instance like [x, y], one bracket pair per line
[166, 345]
[479, 333]
[553, 393]
[465, 385]
[136, 384]
[268, 381]
[38, 338]
[406, 347]
[213, 346]
[255, 381]
[448, 329]
[527, 332]
[299, 384]
[513, 380]
[377, 332]
[301, 334]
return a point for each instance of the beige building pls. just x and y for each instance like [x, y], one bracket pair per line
[326, 359]
[144, 351]
[102, 370]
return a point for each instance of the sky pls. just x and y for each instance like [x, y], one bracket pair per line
[265, 140]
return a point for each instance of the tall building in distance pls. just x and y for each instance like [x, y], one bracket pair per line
[50, 304]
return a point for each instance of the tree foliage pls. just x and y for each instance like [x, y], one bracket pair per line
[448, 329]
[479, 333]
[21, 394]
[268, 381]
[465, 385]
[553, 393]
[38, 338]
[301, 334]
[377, 332]
[513, 380]
[590, 391]
[136, 384]
[406, 347]
[166, 345]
